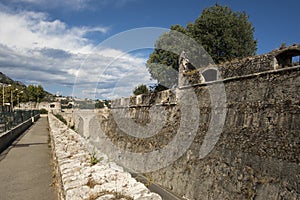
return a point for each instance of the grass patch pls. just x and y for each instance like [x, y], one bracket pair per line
[94, 160]
[61, 118]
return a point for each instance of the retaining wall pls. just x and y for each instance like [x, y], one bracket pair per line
[256, 156]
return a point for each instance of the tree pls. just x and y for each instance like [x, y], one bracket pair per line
[141, 89]
[35, 93]
[40, 93]
[157, 88]
[224, 34]
[163, 62]
[99, 104]
[220, 34]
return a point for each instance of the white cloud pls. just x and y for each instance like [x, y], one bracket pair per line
[31, 29]
[35, 49]
[71, 4]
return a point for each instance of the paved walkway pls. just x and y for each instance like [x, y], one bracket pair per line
[25, 171]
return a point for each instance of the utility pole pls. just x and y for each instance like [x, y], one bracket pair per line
[21, 92]
[11, 101]
[3, 95]
[11, 98]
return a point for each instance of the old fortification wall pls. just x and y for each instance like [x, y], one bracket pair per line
[255, 156]
[277, 59]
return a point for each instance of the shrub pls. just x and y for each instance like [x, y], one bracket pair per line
[43, 111]
[141, 89]
[61, 118]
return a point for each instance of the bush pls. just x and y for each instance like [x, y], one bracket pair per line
[61, 118]
[43, 111]
[141, 89]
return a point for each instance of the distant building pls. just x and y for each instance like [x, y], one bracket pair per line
[50, 107]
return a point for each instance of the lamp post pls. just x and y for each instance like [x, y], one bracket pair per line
[3, 93]
[21, 92]
[11, 99]
[2, 97]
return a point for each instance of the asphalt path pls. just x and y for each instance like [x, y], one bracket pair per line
[25, 167]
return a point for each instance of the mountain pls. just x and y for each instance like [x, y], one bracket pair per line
[22, 87]
[6, 80]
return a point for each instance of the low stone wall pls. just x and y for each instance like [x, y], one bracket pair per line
[82, 172]
[7, 138]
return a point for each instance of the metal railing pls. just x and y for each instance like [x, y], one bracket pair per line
[8, 120]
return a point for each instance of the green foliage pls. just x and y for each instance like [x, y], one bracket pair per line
[20, 93]
[107, 103]
[35, 93]
[61, 118]
[43, 111]
[283, 45]
[141, 89]
[99, 104]
[102, 103]
[12, 92]
[224, 34]
[157, 88]
[163, 62]
[94, 160]
[218, 32]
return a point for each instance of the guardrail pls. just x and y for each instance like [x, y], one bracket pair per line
[9, 120]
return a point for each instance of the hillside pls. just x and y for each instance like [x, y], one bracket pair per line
[6, 80]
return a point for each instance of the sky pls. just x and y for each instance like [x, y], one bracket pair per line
[98, 48]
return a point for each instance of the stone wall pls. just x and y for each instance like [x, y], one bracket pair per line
[256, 156]
[277, 59]
[84, 173]
[247, 66]
[235, 68]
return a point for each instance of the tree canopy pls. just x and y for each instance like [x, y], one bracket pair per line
[141, 89]
[224, 34]
[35, 93]
[221, 34]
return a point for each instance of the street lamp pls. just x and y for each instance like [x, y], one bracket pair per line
[11, 99]
[21, 92]
[3, 93]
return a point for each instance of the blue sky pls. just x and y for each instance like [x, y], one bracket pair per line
[98, 48]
